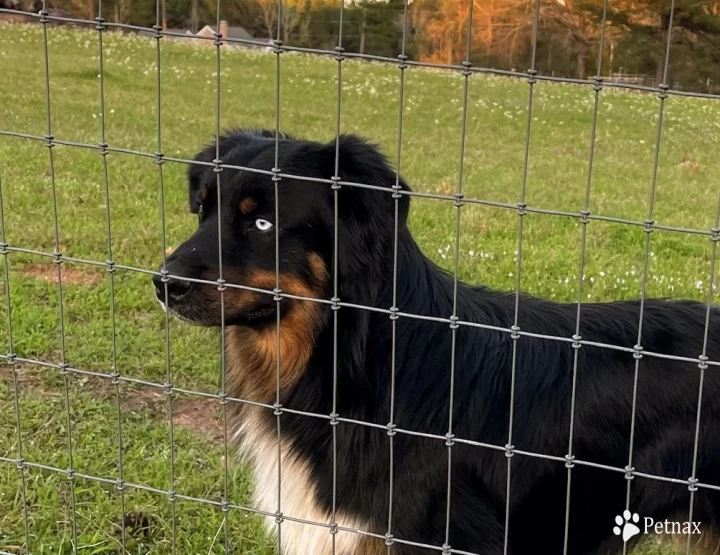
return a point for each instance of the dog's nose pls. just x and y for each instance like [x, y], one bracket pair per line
[175, 288]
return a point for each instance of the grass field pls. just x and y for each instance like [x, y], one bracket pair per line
[687, 188]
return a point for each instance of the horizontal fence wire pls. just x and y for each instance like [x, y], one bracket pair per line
[459, 199]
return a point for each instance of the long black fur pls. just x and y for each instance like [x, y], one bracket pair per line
[667, 390]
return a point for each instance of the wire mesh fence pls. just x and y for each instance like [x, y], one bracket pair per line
[458, 198]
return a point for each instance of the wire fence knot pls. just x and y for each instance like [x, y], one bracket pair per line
[120, 484]
[692, 484]
[276, 174]
[637, 354]
[110, 266]
[664, 87]
[217, 168]
[446, 549]
[396, 191]
[171, 496]
[403, 61]
[168, 388]
[277, 294]
[10, 357]
[224, 505]
[514, 335]
[70, 473]
[576, 341]
[394, 313]
[335, 306]
[597, 87]
[569, 461]
[20, 463]
[391, 429]
[336, 183]
[458, 199]
[454, 322]
[221, 284]
[531, 76]
[159, 158]
[44, 16]
[340, 51]
[223, 398]
[49, 141]
[715, 234]
[4, 248]
[702, 365]
[509, 450]
[115, 377]
[449, 439]
[64, 368]
[278, 409]
[585, 216]
[629, 472]
[103, 149]
[158, 34]
[467, 65]
[100, 24]
[522, 208]
[57, 257]
[334, 419]
[164, 275]
[279, 519]
[389, 539]
[648, 226]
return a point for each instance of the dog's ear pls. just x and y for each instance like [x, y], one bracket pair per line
[234, 142]
[366, 216]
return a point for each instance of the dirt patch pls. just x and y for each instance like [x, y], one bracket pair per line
[199, 415]
[89, 275]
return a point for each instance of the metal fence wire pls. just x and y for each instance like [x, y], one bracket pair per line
[467, 70]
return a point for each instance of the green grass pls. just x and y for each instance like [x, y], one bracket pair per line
[557, 174]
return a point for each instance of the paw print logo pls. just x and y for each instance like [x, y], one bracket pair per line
[626, 525]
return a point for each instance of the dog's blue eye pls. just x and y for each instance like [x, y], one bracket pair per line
[263, 225]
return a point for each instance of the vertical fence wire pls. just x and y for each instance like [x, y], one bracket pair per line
[276, 190]
[522, 212]
[225, 504]
[637, 355]
[13, 371]
[449, 441]
[335, 299]
[576, 345]
[57, 259]
[110, 265]
[168, 387]
[702, 366]
[402, 58]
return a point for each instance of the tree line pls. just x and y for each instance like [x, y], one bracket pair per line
[634, 32]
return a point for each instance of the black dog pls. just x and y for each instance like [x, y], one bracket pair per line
[666, 396]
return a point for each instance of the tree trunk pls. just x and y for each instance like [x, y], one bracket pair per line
[363, 29]
[580, 54]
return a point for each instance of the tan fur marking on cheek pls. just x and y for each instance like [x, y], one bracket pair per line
[252, 353]
[247, 205]
[203, 192]
[318, 268]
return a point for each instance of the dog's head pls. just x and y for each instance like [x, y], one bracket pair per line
[244, 216]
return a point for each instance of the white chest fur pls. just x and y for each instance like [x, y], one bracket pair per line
[259, 445]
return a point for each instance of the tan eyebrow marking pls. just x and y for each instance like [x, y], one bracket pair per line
[247, 205]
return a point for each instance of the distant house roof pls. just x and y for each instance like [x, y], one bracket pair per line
[175, 31]
[233, 32]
